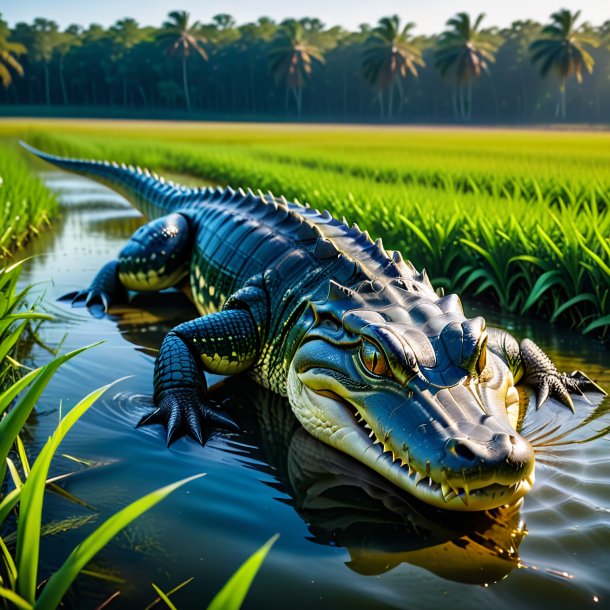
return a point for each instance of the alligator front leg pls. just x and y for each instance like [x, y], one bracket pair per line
[156, 257]
[534, 368]
[226, 343]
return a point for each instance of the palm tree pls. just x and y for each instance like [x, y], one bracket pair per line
[561, 50]
[9, 51]
[389, 55]
[290, 59]
[463, 53]
[181, 37]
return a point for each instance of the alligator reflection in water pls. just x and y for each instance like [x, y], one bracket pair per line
[342, 502]
[346, 504]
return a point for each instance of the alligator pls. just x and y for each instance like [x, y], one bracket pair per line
[373, 361]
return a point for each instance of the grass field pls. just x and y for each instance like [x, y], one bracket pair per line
[518, 217]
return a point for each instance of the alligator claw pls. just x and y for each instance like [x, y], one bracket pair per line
[69, 296]
[543, 376]
[185, 412]
[105, 291]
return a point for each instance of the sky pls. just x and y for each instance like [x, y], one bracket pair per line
[429, 15]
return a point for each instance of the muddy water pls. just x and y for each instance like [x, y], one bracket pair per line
[347, 538]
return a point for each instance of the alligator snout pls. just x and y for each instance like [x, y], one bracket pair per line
[480, 455]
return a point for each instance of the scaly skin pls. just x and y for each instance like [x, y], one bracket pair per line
[373, 362]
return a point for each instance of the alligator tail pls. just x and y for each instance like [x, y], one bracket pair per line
[149, 193]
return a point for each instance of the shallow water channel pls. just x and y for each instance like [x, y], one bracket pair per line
[347, 537]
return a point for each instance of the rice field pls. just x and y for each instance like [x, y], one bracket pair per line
[519, 218]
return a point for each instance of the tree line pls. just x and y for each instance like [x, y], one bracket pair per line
[528, 72]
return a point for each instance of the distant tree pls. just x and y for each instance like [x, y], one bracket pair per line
[517, 81]
[312, 24]
[66, 41]
[388, 57]
[179, 36]
[126, 34]
[9, 51]
[463, 53]
[223, 21]
[290, 59]
[46, 37]
[561, 49]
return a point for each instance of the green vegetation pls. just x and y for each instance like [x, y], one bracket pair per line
[25, 204]
[302, 67]
[518, 218]
[17, 321]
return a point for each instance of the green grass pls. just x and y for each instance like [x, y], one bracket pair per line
[26, 206]
[519, 218]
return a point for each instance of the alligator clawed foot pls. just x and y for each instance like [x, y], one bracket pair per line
[547, 381]
[98, 302]
[105, 291]
[184, 411]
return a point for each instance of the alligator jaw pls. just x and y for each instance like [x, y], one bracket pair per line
[340, 424]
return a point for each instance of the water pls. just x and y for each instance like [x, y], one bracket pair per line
[347, 537]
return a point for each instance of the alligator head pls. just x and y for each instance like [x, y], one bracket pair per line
[402, 381]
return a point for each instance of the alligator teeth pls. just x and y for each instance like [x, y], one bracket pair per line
[530, 479]
[445, 490]
[466, 498]
[366, 426]
[450, 496]
[372, 434]
[418, 478]
[429, 482]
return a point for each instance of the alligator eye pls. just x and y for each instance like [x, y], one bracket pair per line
[373, 359]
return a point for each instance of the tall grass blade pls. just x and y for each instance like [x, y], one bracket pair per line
[599, 323]
[60, 582]
[164, 597]
[232, 595]
[14, 421]
[8, 503]
[30, 506]
[15, 599]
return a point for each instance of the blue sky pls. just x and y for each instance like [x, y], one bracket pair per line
[430, 16]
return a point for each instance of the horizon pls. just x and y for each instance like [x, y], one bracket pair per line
[429, 19]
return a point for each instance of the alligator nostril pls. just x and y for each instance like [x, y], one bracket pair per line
[513, 439]
[463, 451]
